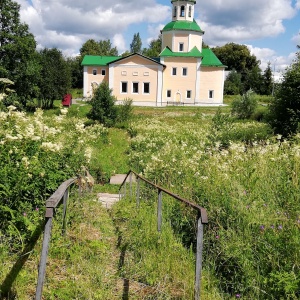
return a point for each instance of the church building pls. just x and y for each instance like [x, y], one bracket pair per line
[183, 74]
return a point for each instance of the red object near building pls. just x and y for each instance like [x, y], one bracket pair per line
[67, 100]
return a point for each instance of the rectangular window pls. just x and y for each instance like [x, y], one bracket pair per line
[135, 87]
[135, 73]
[123, 73]
[174, 71]
[94, 71]
[123, 87]
[103, 72]
[146, 73]
[188, 94]
[168, 93]
[146, 88]
[210, 94]
[180, 47]
[184, 71]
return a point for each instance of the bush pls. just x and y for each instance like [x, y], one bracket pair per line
[244, 106]
[103, 106]
[124, 113]
[285, 109]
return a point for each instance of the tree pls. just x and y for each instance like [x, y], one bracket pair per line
[102, 48]
[253, 80]
[285, 109]
[103, 105]
[56, 77]
[237, 57]
[136, 45]
[233, 84]
[267, 80]
[18, 59]
[76, 71]
[154, 48]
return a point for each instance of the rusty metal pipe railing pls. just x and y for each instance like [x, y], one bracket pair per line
[62, 193]
[201, 220]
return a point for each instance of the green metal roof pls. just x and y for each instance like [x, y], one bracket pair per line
[209, 59]
[93, 60]
[167, 52]
[183, 25]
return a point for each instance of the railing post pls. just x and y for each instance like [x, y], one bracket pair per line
[65, 203]
[199, 251]
[138, 192]
[159, 210]
[130, 184]
[125, 188]
[45, 248]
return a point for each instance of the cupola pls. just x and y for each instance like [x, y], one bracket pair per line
[183, 10]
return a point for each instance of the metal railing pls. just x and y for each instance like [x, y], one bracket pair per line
[60, 195]
[201, 219]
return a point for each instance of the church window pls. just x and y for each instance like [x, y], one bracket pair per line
[174, 71]
[180, 47]
[210, 94]
[103, 72]
[188, 94]
[124, 86]
[182, 11]
[190, 11]
[135, 87]
[184, 71]
[168, 93]
[94, 71]
[146, 87]
[175, 11]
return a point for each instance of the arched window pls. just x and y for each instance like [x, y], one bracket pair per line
[182, 11]
[190, 11]
[175, 11]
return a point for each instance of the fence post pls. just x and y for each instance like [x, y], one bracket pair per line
[130, 185]
[65, 203]
[159, 210]
[138, 192]
[199, 251]
[45, 248]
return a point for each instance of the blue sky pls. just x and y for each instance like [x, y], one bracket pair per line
[270, 28]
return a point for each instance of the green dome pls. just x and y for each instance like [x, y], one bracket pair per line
[183, 25]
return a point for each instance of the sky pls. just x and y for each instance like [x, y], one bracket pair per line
[270, 28]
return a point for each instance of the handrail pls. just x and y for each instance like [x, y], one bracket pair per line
[62, 193]
[201, 219]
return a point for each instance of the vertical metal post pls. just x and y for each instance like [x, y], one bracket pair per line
[65, 203]
[130, 185]
[159, 211]
[125, 188]
[43, 261]
[138, 192]
[199, 251]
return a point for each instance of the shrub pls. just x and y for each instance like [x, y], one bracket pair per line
[103, 106]
[244, 106]
[285, 109]
[124, 113]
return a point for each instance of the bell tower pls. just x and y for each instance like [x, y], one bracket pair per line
[183, 10]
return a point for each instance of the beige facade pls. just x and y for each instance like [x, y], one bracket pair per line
[183, 74]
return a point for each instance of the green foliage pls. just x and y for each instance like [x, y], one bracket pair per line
[17, 51]
[56, 79]
[244, 106]
[124, 113]
[154, 48]
[233, 84]
[267, 80]
[285, 109]
[103, 106]
[102, 48]
[136, 44]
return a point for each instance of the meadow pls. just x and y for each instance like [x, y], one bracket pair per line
[246, 178]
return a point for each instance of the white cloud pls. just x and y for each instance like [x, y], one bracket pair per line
[296, 39]
[236, 20]
[69, 23]
[154, 32]
[119, 42]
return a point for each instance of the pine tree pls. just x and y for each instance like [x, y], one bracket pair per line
[136, 45]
